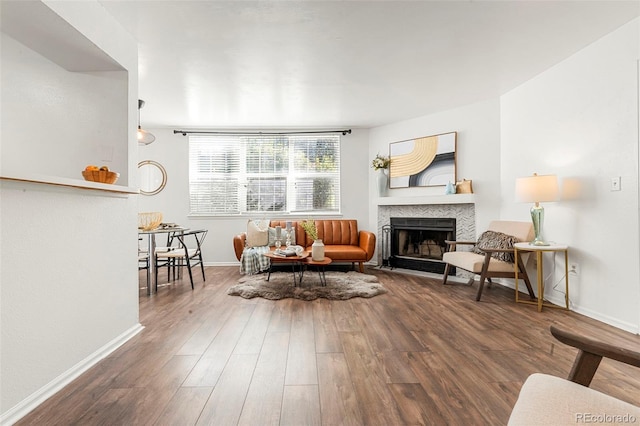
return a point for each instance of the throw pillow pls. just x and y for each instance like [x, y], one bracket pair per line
[283, 236]
[272, 237]
[257, 233]
[496, 240]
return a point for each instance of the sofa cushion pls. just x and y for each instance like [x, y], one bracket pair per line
[496, 240]
[257, 232]
[341, 232]
[295, 235]
[339, 252]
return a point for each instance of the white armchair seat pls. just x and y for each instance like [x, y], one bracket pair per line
[550, 400]
[474, 262]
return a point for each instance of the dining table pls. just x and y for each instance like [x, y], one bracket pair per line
[152, 285]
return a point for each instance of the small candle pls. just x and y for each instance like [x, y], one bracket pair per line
[278, 232]
[288, 225]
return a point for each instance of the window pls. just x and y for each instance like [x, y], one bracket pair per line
[247, 174]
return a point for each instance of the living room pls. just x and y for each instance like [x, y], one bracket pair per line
[577, 118]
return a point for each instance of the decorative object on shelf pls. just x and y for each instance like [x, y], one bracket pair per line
[382, 180]
[450, 189]
[149, 220]
[426, 161]
[535, 189]
[381, 165]
[144, 137]
[100, 174]
[380, 162]
[464, 187]
[152, 177]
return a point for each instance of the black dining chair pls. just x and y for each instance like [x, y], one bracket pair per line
[188, 252]
[143, 260]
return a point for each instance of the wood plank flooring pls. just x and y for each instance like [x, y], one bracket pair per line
[422, 354]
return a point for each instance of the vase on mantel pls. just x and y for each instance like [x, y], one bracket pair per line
[383, 182]
[317, 251]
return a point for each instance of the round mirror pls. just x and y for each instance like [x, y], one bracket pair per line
[152, 177]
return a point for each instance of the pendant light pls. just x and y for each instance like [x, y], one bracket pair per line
[144, 137]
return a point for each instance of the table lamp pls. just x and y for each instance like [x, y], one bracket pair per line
[536, 189]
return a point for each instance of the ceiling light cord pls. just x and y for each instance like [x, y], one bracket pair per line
[241, 133]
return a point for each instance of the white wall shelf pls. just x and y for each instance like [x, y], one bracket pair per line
[427, 199]
[72, 183]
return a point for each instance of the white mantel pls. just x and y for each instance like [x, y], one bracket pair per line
[426, 200]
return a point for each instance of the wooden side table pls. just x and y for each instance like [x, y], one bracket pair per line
[539, 251]
[319, 265]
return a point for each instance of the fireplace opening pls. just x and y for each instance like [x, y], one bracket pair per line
[419, 243]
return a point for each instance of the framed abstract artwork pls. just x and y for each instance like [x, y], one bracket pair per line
[426, 161]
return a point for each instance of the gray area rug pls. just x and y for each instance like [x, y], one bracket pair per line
[340, 286]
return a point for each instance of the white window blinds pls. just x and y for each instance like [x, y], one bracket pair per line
[247, 174]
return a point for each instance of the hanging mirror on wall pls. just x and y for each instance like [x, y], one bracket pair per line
[152, 177]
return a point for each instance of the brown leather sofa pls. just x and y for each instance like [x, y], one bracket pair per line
[342, 240]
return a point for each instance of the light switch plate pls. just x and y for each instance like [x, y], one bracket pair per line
[615, 183]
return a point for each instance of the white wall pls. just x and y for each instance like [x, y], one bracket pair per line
[579, 120]
[56, 104]
[478, 154]
[68, 269]
[172, 151]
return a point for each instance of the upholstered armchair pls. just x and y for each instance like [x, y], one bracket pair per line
[550, 400]
[492, 255]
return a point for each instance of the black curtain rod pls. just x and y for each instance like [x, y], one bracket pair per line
[196, 132]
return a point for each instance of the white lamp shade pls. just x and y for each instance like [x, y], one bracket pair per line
[535, 189]
[144, 137]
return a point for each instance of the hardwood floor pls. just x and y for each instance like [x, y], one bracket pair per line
[421, 354]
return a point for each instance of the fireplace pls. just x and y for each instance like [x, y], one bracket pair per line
[419, 243]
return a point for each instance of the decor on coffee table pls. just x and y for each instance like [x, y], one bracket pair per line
[317, 248]
[340, 286]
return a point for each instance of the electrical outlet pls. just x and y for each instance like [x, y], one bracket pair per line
[615, 183]
[573, 269]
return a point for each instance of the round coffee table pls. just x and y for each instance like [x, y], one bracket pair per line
[293, 260]
[319, 265]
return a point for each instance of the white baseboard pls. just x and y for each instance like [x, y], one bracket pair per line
[558, 299]
[236, 263]
[25, 406]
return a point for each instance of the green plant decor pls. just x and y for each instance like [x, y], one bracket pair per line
[309, 227]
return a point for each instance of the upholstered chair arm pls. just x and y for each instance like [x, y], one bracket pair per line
[367, 242]
[451, 245]
[590, 353]
[495, 250]
[239, 242]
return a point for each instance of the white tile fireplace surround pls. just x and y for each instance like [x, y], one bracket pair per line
[463, 212]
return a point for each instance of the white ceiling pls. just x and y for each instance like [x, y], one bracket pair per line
[321, 64]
